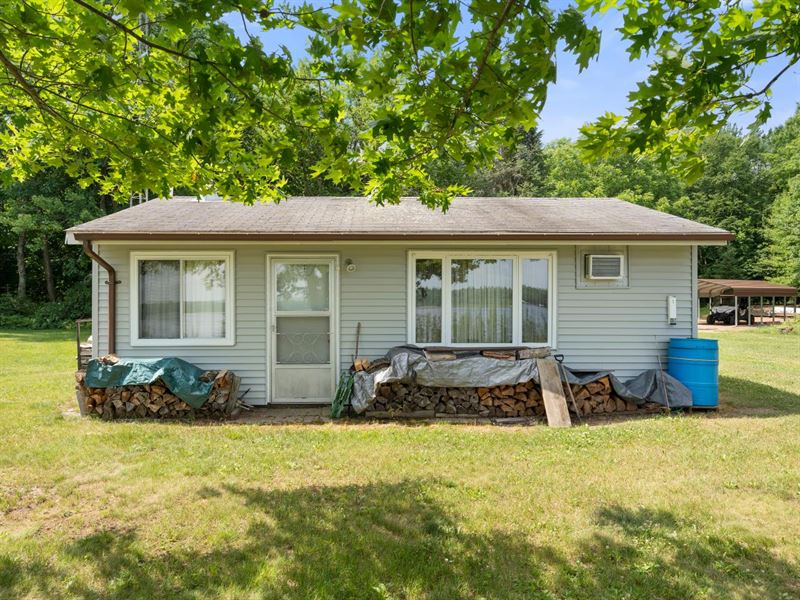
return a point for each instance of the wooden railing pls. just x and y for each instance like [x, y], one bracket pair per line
[83, 349]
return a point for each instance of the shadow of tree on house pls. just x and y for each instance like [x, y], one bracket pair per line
[396, 540]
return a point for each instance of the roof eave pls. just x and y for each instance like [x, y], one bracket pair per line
[711, 237]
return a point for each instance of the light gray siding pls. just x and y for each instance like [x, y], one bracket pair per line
[620, 329]
[625, 330]
[375, 296]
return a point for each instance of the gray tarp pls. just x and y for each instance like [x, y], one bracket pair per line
[650, 385]
[181, 378]
[409, 365]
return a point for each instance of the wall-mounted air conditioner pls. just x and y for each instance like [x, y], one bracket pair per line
[605, 266]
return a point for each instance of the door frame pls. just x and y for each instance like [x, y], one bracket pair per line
[333, 260]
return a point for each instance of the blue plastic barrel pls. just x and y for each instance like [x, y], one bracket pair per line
[695, 363]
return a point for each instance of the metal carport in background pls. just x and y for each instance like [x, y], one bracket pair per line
[755, 291]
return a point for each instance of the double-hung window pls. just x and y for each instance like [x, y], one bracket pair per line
[474, 299]
[182, 298]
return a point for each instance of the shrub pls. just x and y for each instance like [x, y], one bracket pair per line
[26, 314]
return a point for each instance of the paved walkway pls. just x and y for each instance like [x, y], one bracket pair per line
[282, 415]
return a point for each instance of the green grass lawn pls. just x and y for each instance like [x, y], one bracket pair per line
[665, 507]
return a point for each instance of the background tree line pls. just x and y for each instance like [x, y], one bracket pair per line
[750, 186]
[43, 282]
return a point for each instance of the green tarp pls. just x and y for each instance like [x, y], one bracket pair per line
[181, 378]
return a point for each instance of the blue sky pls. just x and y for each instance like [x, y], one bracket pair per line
[578, 98]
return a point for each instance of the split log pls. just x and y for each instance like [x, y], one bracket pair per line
[361, 364]
[527, 353]
[500, 354]
[438, 355]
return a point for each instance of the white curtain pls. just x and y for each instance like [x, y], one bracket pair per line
[159, 299]
[482, 301]
[204, 299]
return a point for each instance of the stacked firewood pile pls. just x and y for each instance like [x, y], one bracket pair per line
[410, 398]
[520, 400]
[155, 401]
[597, 397]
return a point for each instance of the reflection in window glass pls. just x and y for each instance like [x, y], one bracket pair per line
[534, 301]
[428, 315]
[302, 287]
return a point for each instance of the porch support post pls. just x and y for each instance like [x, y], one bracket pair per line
[749, 308]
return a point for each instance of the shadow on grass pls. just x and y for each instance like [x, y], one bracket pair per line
[398, 541]
[750, 398]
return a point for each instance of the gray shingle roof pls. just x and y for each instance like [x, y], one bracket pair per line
[351, 218]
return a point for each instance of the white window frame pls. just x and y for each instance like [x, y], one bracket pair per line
[230, 324]
[516, 257]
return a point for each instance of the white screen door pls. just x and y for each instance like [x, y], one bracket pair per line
[303, 343]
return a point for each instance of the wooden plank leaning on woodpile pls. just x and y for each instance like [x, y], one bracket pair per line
[554, 398]
[155, 401]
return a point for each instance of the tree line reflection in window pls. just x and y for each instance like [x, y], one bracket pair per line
[429, 301]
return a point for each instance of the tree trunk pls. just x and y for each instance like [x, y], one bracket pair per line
[22, 240]
[48, 271]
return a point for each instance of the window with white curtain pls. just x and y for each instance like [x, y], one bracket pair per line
[481, 299]
[182, 299]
